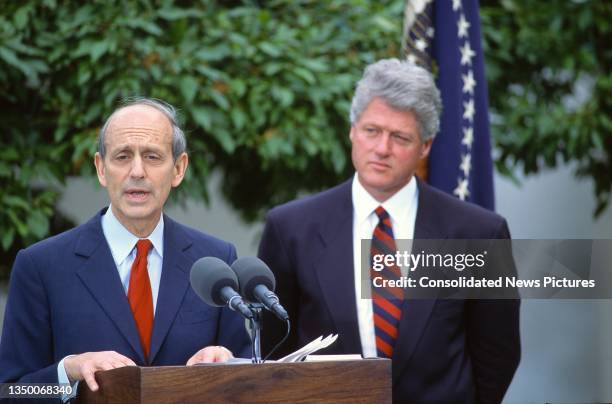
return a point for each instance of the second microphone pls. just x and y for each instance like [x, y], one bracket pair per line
[257, 284]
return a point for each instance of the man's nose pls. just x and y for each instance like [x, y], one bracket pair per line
[137, 169]
[383, 144]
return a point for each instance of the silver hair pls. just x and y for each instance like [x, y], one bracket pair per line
[179, 143]
[404, 86]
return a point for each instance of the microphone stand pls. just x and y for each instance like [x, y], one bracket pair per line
[255, 325]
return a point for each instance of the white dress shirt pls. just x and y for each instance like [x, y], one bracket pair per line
[122, 245]
[402, 208]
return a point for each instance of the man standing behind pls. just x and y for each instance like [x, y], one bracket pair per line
[115, 291]
[442, 351]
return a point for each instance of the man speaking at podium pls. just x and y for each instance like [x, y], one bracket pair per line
[115, 291]
[442, 351]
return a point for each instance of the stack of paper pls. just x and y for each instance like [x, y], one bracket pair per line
[310, 348]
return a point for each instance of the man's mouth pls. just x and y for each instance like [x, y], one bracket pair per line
[378, 165]
[136, 195]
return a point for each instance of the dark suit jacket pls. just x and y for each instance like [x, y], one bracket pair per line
[447, 351]
[65, 297]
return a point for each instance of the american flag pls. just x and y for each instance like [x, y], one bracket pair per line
[444, 36]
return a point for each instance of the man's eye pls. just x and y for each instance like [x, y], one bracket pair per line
[152, 157]
[370, 131]
[122, 157]
[401, 139]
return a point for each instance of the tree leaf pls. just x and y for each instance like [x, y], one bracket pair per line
[38, 223]
[203, 117]
[8, 236]
[189, 87]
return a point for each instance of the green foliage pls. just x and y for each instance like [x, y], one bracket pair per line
[263, 90]
[549, 70]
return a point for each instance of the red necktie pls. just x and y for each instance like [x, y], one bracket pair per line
[386, 302]
[140, 296]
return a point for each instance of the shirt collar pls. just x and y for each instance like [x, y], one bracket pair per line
[398, 205]
[121, 241]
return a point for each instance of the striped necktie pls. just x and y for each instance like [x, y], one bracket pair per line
[386, 302]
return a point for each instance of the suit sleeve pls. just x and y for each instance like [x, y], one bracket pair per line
[231, 332]
[26, 347]
[273, 250]
[492, 328]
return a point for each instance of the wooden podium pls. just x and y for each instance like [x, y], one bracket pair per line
[362, 381]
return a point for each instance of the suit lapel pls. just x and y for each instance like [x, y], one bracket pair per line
[173, 285]
[334, 268]
[416, 312]
[99, 275]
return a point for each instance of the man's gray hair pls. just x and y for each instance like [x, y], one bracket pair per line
[179, 143]
[404, 86]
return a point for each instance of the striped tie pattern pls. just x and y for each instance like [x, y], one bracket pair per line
[386, 302]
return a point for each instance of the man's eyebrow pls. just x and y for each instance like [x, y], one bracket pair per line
[156, 149]
[143, 149]
[402, 133]
[119, 149]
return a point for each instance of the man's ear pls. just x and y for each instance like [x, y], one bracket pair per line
[180, 167]
[100, 169]
[426, 148]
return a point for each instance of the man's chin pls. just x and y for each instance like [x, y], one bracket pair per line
[377, 181]
[138, 212]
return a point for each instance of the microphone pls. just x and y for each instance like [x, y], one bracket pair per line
[215, 282]
[257, 284]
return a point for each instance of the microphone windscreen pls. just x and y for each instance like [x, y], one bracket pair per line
[251, 271]
[208, 276]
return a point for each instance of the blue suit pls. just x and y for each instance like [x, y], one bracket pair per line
[65, 297]
[447, 351]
